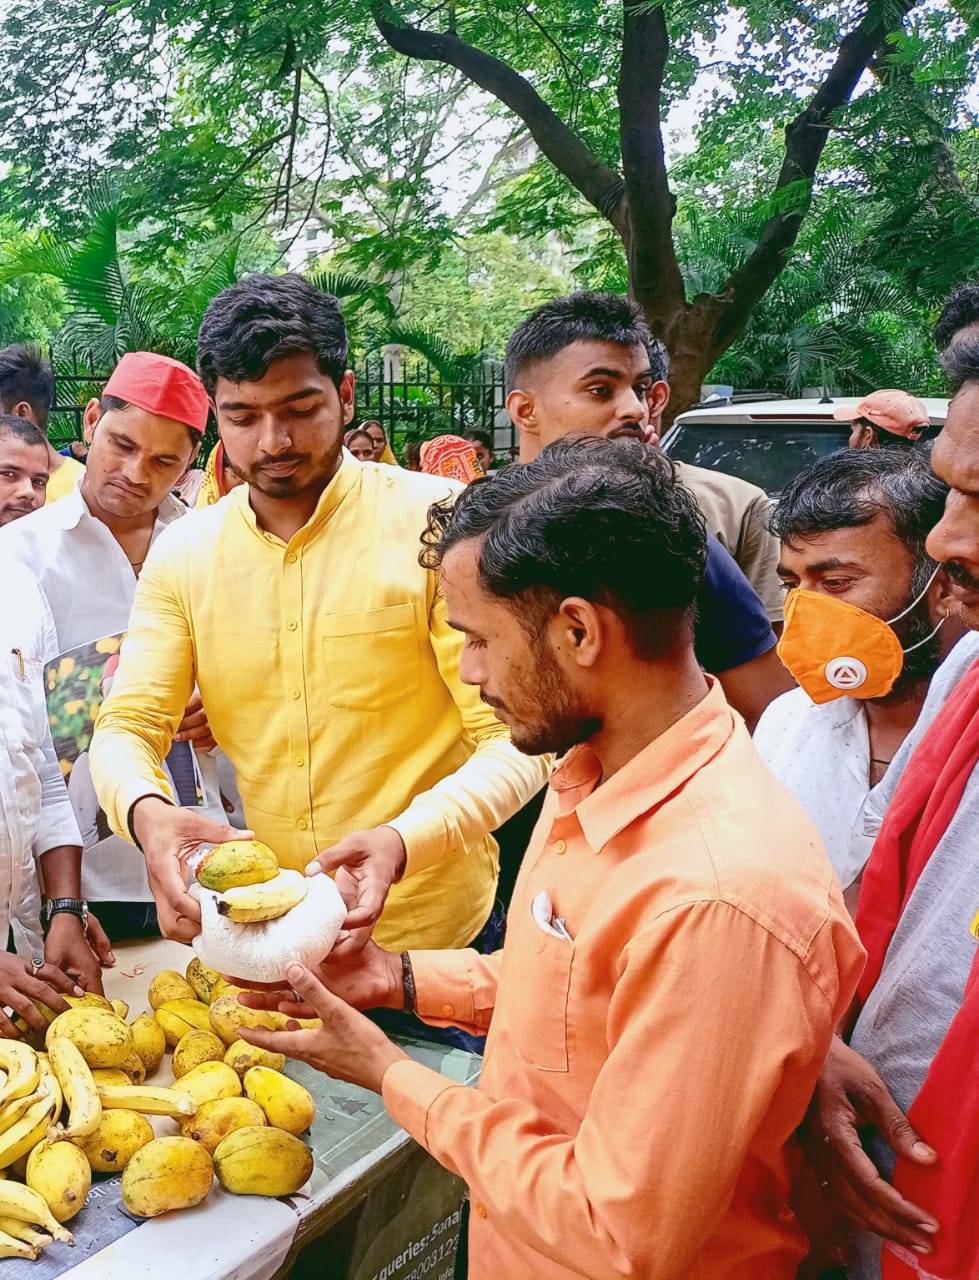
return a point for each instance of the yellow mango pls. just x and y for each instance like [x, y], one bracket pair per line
[117, 1139]
[287, 1105]
[259, 1161]
[193, 1049]
[210, 1080]
[166, 1174]
[168, 984]
[102, 1038]
[219, 1117]
[148, 1041]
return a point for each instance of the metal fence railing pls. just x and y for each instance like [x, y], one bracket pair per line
[410, 399]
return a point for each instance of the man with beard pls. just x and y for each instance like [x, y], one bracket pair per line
[893, 1132]
[853, 527]
[581, 365]
[23, 468]
[677, 951]
[321, 648]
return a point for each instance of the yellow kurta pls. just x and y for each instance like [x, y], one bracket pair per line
[63, 480]
[331, 681]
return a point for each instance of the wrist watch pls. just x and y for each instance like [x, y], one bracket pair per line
[74, 906]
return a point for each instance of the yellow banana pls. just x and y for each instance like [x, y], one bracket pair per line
[25, 1135]
[74, 1076]
[252, 903]
[13, 1248]
[22, 1068]
[22, 1231]
[147, 1099]
[26, 1205]
[13, 1111]
[33, 1236]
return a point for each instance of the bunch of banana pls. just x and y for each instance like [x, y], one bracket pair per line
[25, 1120]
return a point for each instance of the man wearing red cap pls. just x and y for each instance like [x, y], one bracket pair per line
[885, 419]
[87, 551]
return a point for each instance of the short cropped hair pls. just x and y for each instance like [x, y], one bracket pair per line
[579, 317]
[26, 375]
[22, 429]
[262, 318]
[854, 486]
[606, 520]
[481, 437]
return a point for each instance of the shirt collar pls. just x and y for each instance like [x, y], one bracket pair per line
[68, 512]
[656, 773]
[348, 477]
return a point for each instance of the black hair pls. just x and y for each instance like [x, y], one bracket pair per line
[607, 520]
[23, 429]
[481, 437]
[262, 318]
[579, 317]
[851, 487]
[358, 431]
[956, 335]
[26, 375]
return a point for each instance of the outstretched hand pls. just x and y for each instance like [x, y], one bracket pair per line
[347, 1046]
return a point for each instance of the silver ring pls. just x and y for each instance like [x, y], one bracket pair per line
[36, 964]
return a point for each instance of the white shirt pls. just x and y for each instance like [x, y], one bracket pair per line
[35, 812]
[89, 584]
[822, 755]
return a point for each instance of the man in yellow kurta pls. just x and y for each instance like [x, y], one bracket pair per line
[327, 669]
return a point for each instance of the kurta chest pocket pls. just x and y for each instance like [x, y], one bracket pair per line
[27, 695]
[371, 658]
[537, 1010]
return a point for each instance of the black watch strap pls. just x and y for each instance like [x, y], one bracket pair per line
[56, 906]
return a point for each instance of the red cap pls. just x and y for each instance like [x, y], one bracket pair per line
[895, 411]
[160, 385]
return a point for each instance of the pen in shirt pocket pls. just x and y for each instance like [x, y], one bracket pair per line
[545, 919]
[20, 662]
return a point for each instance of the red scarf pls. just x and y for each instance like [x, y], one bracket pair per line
[946, 1111]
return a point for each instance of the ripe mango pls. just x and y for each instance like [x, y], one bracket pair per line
[203, 980]
[60, 1174]
[177, 1017]
[210, 1080]
[134, 1069]
[287, 1105]
[102, 1038]
[236, 863]
[148, 1041]
[120, 1009]
[242, 1056]
[228, 1017]
[169, 985]
[193, 1049]
[166, 1174]
[219, 1117]
[259, 1161]
[117, 1139]
[111, 1075]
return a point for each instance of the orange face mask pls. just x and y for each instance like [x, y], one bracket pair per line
[836, 650]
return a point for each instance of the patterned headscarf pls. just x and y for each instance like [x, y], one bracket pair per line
[451, 456]
[214, 484]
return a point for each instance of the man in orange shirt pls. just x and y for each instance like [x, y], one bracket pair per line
[677, 954]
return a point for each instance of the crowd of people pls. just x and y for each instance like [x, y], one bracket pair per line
[729, 1016]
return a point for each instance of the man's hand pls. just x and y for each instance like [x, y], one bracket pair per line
[168, 836]
[100, 942]
[367, 863]
[372, 979]
[348, 1046]
[67, 948]
[849, 1096]
[194, 726]
[21, 989]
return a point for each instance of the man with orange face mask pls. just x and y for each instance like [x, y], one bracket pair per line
[865, 630]
[893, 1130]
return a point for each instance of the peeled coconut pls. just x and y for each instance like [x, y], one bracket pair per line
[263, 951]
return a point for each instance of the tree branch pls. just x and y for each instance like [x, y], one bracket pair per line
[805, 140]
[600, 185]
[654, 272]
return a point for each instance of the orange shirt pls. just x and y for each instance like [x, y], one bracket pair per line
[643, 1083]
